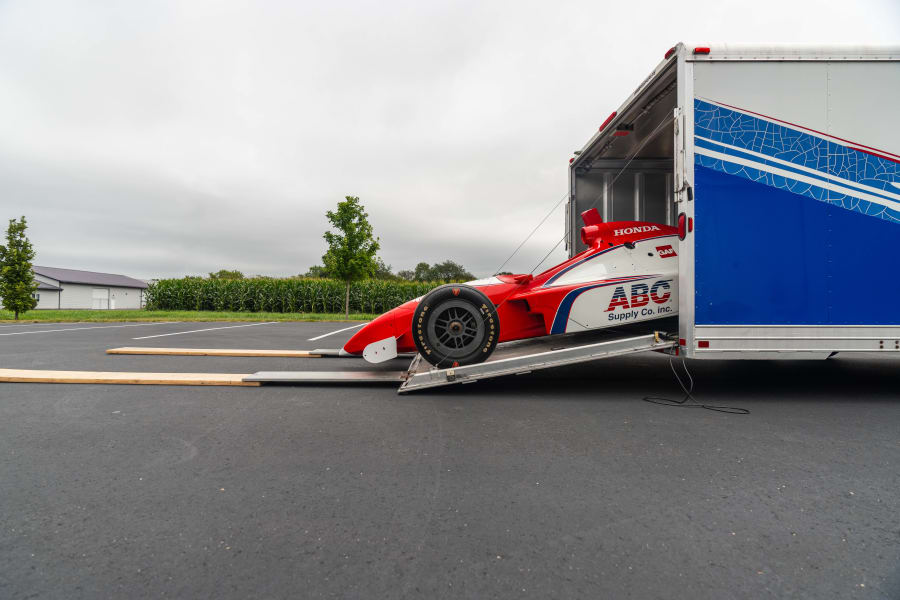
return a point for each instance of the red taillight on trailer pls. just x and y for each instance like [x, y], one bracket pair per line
[701, 50]
[571, 160]
[608, 119]
[690, 224]
[682, 342]
[703, 343]
[682, 226]
[669, 52]
[620, 133]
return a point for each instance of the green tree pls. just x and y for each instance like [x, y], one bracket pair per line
[422, 272]
[316, 272]
[383, 271]
[17, 284]
[352, 249]
[407, 275]
[448, 271]
[226, 274]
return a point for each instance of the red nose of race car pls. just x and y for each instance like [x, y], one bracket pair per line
[384, 331]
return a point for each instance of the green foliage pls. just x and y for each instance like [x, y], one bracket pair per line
[383, 271]
[371, 296]
[351, 251]
[447, 271]
[226, 274]
[17, 282]
[422, 272]
[316, 272]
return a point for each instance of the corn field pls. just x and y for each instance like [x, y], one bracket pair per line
[281, 295]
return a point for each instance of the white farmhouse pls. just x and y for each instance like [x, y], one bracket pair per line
[73, 289]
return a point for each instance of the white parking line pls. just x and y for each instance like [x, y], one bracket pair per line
[334, 332]
[84, 328]
[199, 330]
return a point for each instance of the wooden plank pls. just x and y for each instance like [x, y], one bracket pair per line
[213, 352]
[114, 377]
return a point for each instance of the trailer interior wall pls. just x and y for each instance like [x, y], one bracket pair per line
[794, 160]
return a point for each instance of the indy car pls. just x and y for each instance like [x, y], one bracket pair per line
[627, 274]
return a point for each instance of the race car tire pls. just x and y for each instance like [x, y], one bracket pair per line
[455, 325]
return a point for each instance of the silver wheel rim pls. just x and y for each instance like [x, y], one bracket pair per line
[456, 329]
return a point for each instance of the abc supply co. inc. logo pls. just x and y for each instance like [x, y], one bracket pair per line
[641, 295]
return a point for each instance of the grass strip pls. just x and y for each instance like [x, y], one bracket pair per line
[108, 316]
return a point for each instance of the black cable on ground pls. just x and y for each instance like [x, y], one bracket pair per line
[689, 401]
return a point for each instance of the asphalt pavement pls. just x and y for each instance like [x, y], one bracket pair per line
[557, 484]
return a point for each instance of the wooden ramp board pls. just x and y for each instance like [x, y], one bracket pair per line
[214, 352]
[328, 377]
[36, 376]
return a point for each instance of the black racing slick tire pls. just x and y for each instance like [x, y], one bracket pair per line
[455, 325]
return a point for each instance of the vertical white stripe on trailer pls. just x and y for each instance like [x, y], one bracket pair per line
[684, 177]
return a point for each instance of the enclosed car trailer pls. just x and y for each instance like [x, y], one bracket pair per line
[781, 168]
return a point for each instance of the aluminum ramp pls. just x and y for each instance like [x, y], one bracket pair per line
[531, 355]
[512, 358]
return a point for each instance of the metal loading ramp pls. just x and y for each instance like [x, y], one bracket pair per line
[513, 358]
[518, 358]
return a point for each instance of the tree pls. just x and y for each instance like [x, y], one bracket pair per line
[422, 272]
[448, 271]
[316, 272]
[352, 249]
[17, 284]
[383, 271]
[226, 274]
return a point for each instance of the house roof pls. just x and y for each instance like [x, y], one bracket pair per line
[88, 277]
[45, 287]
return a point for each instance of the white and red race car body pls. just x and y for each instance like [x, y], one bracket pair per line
[629, 273]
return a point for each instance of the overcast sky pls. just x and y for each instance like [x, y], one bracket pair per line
[169, 138]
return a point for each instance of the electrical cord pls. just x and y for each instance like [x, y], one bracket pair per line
[689, 401]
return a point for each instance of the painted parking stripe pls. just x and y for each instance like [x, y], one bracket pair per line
[324, 335]
[199, 330]
[86, 328]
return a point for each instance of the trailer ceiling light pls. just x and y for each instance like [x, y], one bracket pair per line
[571, 160]
[701, 50]
[669, 52]
[608, 119]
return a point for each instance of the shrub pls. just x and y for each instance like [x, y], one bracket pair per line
[296, 295]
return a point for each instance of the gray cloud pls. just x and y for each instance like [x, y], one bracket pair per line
[169, 138]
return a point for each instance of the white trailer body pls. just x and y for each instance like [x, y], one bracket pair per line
[782, 167]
